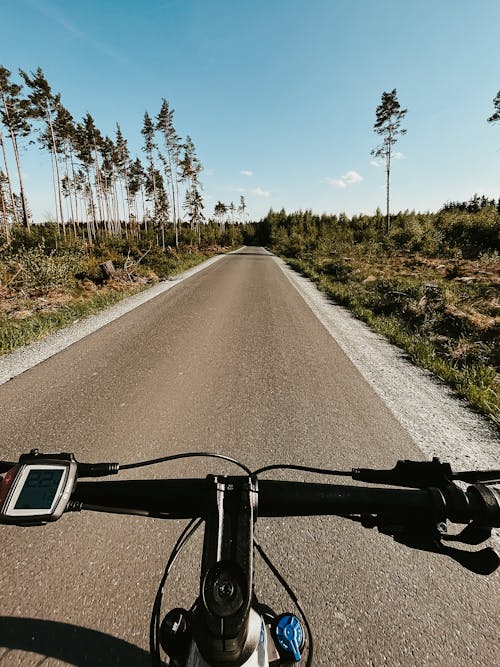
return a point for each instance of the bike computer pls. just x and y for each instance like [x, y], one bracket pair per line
[37, 489]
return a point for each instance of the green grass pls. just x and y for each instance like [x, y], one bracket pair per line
[15, 333]
[476, 381]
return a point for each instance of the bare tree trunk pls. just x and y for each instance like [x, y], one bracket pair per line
[388, 170]
[172, 187]
[70, 197]
[74, 182]
[26, 220]
[52, 160]
[14, 207]
[5, 216]
[56, 161]
[144, 211]
[125, 221]
[178, 207]
[91, 198]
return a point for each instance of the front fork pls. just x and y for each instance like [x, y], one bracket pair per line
[176, 638]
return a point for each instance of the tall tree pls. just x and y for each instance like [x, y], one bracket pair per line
[220, 211]
[64, 131]
[14, 114]
[193, 204]
[389, 115]
[4, 212]
[148, 132]
[44, 105]
[122, 163]
[190, 168]
[165, 125]
[242, 208]
[137, 178]
[88, 139]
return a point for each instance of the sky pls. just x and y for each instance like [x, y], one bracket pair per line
[279, 96]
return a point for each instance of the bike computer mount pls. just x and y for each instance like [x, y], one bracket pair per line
[37, 489]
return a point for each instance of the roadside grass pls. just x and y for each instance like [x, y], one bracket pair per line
[17, 332]
[30, 313]
[446, 327]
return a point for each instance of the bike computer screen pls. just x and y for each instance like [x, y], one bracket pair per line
[39, 492]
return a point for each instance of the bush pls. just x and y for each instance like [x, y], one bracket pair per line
[36, 269]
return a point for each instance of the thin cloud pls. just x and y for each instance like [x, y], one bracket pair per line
[246, 172]
[352, 177]
[349, 178]
[259, 192]
[335, 182]
[50, 11]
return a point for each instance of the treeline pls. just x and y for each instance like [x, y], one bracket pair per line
[99, 187]
[467, 229]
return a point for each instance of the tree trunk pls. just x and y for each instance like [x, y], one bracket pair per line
[56, 161]
[14, 207]
[5, 216]
[26, 221]
[388, 219]
[52, 160]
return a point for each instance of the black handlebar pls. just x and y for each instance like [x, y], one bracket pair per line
[187, 498]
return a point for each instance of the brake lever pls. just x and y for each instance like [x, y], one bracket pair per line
[474, 533]
[428, 537]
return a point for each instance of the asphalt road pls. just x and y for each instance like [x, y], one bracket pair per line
[229, 361]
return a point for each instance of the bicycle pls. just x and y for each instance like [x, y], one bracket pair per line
[227, 625]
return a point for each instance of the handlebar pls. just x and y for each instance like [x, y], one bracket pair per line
[187, 498]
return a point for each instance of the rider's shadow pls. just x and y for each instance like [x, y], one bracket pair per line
[67, 643]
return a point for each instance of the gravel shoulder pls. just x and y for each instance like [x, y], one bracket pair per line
[440, 423]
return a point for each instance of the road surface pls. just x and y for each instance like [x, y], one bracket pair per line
[231, 361]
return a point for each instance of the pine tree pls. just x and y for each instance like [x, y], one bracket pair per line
[14, 115]
[193, 204]
[65, 130]
[43, 106]
[242, 208]
[190, 167]
[165, 125]
[148, 132]
[136, 186]
[388, 125]
[122, 160]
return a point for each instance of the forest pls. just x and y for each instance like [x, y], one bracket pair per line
[99, 188]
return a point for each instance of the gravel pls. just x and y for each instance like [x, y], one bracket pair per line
[439, 423]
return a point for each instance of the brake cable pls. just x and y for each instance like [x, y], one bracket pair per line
[293, 597]
[154, 628]
[187, 455]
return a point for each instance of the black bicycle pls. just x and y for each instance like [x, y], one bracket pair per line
[227, 625]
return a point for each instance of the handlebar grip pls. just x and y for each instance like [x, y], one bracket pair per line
[485, 505]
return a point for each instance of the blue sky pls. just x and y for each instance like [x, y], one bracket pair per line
[279, 96]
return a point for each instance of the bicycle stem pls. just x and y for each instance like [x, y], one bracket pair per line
[223, 625]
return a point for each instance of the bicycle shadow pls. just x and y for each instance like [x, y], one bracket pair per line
[72, 644]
